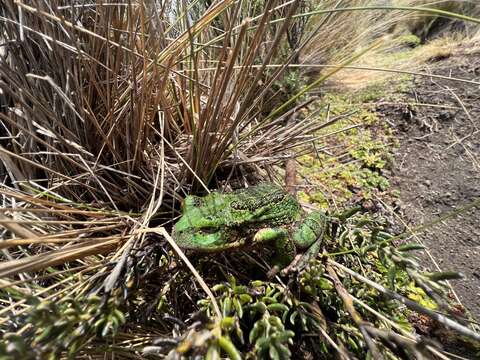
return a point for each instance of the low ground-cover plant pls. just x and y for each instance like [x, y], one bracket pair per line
[350, 166]
[328, 306]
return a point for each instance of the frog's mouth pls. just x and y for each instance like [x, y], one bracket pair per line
[209, 239]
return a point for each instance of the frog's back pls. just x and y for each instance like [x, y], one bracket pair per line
[257, 196]
[274, 205]
[260, 205]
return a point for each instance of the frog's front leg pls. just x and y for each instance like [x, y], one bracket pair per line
[284, 247]
[309, 235]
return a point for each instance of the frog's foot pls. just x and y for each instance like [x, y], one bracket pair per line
[293, 265]
[311, 229]
[273, 271]
[290, 268]
[303, 260]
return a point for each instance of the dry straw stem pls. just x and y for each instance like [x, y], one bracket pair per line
[368, 68]
[409, 303]
[78, 244]
[427, 10]
[16, 229]
[57, 257]
[408, 338]
[348, 28]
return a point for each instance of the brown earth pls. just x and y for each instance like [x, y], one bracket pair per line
[437, 167]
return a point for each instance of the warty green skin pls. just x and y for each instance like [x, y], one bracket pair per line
[260, 214]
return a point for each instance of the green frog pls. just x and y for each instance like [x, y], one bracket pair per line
[259, 215]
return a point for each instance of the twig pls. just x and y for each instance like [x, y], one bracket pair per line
[459, 141]
[467, 113]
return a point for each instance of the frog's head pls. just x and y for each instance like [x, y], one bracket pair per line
[200, 226]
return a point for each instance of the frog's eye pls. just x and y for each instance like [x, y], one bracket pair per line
[207, 231]
[191, 201]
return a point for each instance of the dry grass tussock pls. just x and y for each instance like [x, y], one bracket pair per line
[112, 114]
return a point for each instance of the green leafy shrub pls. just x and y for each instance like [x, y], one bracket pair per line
[61, 327]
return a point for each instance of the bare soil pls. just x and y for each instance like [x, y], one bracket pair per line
[437, 167]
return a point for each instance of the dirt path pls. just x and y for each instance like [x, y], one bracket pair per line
[438, 167]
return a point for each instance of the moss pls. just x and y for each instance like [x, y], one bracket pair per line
[354, 165]
[371, 92]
